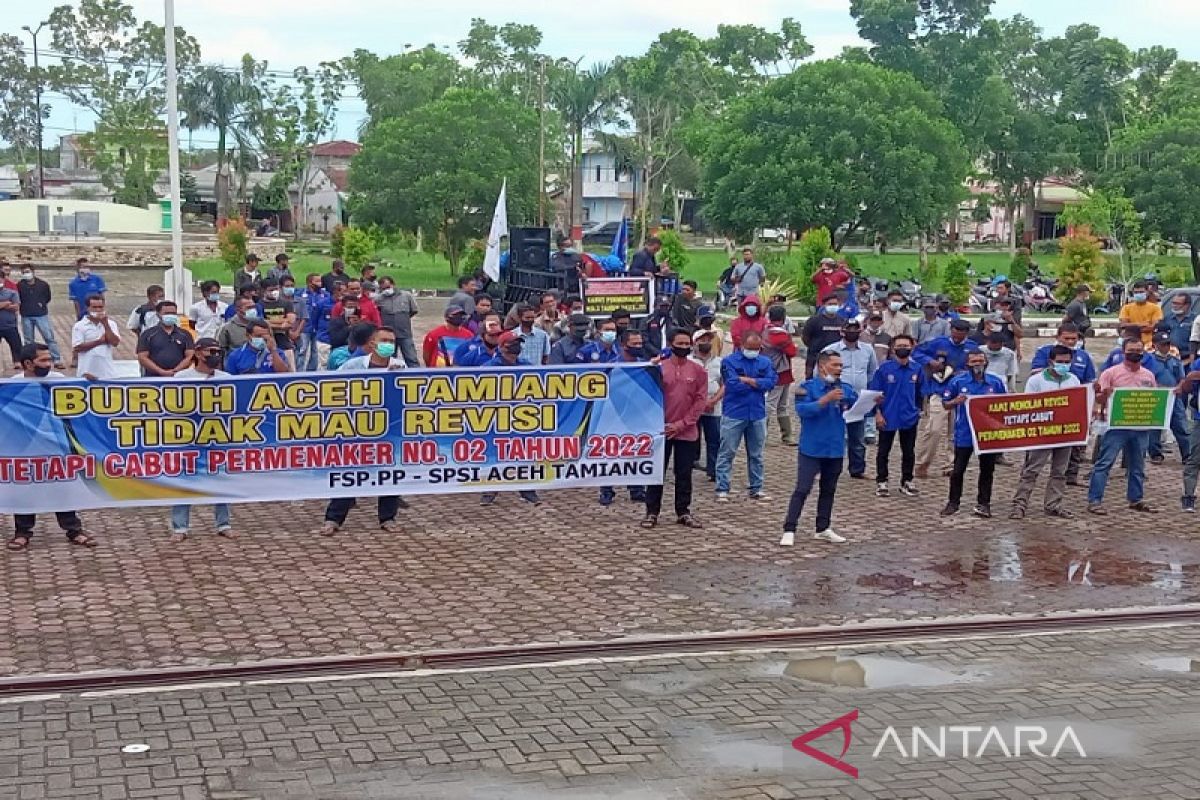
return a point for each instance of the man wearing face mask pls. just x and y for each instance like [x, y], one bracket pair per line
[258, 355]
[856, 367]
[604, 349]
[381, 354]
[1142, 312]
[706, 320]
[281, 270]
[10, 304]
[509, 351]
[706, 355]
[930, 326]
[93, 340]
[685, 393]
[1169, 371]
[85, 284]
[874, 335]
[1002, 362]
[208, 313]
[233, 333]
[480, 350]
[749, 318]
[144, 316]
[320, 317]
[279, 312]
[622, 319]
[35, 312]
[397, 307]
[534, 340]
[748, 377]
[35, 366]
[819, 331]
[441, 342]
[366, 306]
[895, 321]
[1129, 373]
[973, 383]
[166, 348]
[899, 380]
[829, 276]
[205, 366]
[1056, 375]
[781, 349]
[567, 348]
[629, 348]
[821, 402]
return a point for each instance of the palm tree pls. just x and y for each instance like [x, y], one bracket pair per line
[584, 99]
[223, 100]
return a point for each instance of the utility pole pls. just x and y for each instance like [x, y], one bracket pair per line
[178, 281]
[542, 142]
[37, 72]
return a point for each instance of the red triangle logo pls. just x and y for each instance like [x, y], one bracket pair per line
[842, 723]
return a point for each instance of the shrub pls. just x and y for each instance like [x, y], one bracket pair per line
[673, 250]
[357, 248]
[929, 275]
[815, 244]
[1080, 261]
[1018, 269]
[337, 238]
[1046, 247]
[955, 284]
[1174, 276]
[473, 255]
[233, 242]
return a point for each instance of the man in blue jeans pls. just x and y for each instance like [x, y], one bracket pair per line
[748, 377]
[34, 294]
[820, 403]
[1128, 374]
[858, 367]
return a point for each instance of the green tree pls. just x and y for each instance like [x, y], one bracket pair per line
[357, 248]
[440, 167]
[394, 86]
[673, 250]
[839, 145]
[1080, 261]
[19, 112]
[583, 98]
[1110, 214]
[753, 54]
[955, 283]
[233, 240]
[1158, 169]
[227, 102]
[815, 244]
[115, 67]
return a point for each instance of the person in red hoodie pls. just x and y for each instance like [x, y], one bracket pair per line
[781, 349]
[750, 317]
[366, 306]
[829, 277]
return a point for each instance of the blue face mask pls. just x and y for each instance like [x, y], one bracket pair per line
[1062, 370]
[289, 291]
[170, 320]
[214, 298]
[251, 313]
[1139, 297]
[608, 337]
[258, 343]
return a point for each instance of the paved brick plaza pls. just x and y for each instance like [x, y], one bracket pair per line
[693, 728]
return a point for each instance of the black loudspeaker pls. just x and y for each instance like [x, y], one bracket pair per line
[530, 248]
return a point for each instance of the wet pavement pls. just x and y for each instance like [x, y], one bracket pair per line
[1073, 715]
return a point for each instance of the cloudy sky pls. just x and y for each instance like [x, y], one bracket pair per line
[289, 33]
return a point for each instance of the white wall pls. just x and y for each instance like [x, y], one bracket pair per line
[20, 216]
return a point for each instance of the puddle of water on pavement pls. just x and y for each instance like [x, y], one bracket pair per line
[1175, 664]
[871, 672]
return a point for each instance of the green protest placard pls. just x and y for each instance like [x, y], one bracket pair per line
[1140, 409]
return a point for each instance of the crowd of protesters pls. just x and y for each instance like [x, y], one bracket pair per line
[722, 390]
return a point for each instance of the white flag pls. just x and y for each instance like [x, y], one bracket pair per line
[491, 259]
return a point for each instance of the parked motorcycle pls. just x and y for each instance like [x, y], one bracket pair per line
[910, 288]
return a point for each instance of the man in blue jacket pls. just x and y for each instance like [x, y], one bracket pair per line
[1168, 371]
[899, 413]
[820, 403]
[974, 382]
[477, 352]
[747, 377]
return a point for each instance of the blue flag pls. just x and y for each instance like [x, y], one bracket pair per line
[620, 245]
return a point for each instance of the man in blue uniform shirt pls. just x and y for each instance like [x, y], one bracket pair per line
[508, 351]
[899, 413]
[956, 346]
[604, 350]
[477, 352]
[974, 382]
[1168, 371]
[258, 355]
[820, 403]
[748, 377]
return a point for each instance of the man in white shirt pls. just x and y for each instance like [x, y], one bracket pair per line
[381, 354]
[35, 364]
[93, 339]
[1056, 375]
[206, 362]
[208, 315]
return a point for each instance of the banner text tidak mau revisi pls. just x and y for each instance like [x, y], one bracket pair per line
[77, 445]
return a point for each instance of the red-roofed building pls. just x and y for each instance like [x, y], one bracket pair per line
[335, 155]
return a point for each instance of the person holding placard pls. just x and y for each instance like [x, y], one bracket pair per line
[1128, 374]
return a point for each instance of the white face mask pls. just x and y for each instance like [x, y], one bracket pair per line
[750, 353]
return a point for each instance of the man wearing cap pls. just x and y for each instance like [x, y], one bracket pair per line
[974, 381]
[858, 365]
[706, 320]
[828, 277]
[567, 348]
[1169, 372]
[205, 366]
[930, 325]
[706, 353]
[509, 351]
[441, 342]
[1077, 311]
[481, 349]
[874, 335]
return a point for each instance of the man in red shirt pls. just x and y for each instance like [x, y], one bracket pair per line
[441, 342]
[779, 346]
[366, 306]
[5, 269]
[685, 393]
[829, 277]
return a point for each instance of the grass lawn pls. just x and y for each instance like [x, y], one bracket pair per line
[411, 270]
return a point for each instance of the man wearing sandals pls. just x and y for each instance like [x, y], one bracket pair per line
[35, 366]
[205, 363]
[685, 393]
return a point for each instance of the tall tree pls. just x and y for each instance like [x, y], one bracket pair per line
[839, 145]
[227, 102]
[394, 86]
[440, 167]
[19, 112]
[115, 67]
[583, 99]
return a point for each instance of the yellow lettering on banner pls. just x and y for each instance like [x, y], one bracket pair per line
[154, 432]
[327, 393]
[459, 420]
[533, 387]
[418, 422]
[127, 431]
[331, 425]
[68, 401]
[266, 397]
[243, 430]
[109, 400]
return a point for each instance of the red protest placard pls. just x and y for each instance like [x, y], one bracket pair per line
[1006, 422]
